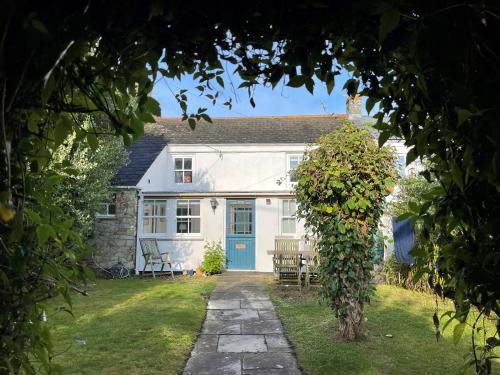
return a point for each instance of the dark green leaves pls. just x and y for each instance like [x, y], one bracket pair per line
[370, 102]
[389, 20]
[296, 81]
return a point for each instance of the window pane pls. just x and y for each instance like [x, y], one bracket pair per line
[103, 209]
[161, 225]
[294, 161]
[178, 163]
[182, 208]
[178, 177]
[292, 207]
[160, 208]
[195, 225]
[188, 163]
[194, 208]
[286, 208]
[288, 225]
[293, 175]
[182, 225]
[111, 209]
[147, 226]
[148, 208]
[188, 177]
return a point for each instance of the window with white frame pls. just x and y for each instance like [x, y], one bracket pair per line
[188, 216]
[293, 163]
[154, 216]
[288, 219]
[107, 209]
[183, 170]
[401, 165]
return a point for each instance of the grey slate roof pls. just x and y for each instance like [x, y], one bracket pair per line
[236, 130]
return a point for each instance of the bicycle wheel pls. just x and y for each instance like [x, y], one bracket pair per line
[124, 272]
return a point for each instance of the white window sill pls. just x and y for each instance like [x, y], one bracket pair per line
[105, 217]
[164, 237]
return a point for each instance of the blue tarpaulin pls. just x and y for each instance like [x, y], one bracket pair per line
[404, 240]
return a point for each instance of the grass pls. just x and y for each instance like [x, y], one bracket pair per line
[404, 314]
[131, 326]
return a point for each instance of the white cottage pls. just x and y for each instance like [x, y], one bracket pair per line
[230, 181]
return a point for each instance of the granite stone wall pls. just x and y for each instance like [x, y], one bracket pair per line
[115, 237]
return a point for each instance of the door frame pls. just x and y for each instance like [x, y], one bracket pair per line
[253, 235]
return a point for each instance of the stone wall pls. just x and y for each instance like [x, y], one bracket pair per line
[115, 237]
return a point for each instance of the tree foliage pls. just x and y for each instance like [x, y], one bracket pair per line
[82, 194]
[432, 68]
[340, 193]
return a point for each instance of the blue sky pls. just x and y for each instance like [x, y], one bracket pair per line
[281, 101]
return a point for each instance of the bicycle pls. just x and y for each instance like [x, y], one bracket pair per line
[116, 271]
[119, 271]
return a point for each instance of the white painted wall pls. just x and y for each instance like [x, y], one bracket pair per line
[222, 171]
[222, 168]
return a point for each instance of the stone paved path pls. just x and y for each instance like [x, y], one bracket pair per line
[241, 334]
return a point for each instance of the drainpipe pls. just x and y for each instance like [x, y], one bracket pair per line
[140, 198]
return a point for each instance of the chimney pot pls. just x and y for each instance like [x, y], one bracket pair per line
[353, 104]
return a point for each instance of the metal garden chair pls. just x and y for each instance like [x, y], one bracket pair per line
[152, 255]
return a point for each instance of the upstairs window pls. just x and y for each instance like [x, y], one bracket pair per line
[183, 170]
[154, 217]
[107, 209]
[293, 163]
[188, 216]
[288, 220]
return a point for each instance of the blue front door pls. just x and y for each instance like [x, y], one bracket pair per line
[240, 234]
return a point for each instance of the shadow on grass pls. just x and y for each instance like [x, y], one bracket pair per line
[131, 326]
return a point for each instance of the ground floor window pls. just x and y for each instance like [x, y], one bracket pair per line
[288, 220]
[188, 216]
[154, 217]
[107, 209]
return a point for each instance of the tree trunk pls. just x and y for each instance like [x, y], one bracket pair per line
[351, 320]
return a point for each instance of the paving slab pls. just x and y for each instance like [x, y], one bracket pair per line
[269, 361]
[223, 304]
[272, 372]
[206, 344]
[259, 327]
[242, 344]
[220, 327]
[241, 333]
[267, 315]
[236, 294]
[214, 363]
[238, 314]
[277, 343]
[257, 304]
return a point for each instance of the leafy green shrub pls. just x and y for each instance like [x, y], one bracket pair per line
[402, 275]
[214, 258]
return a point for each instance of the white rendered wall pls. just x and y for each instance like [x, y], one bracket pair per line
[222, 171]
[222, 168]
[186, 250]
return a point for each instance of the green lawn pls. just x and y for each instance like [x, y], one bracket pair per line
[405, 315]
[131, 326]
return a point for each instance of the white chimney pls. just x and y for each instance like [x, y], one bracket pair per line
[353, 104]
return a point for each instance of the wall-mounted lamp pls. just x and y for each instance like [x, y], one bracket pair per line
[214, 203]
